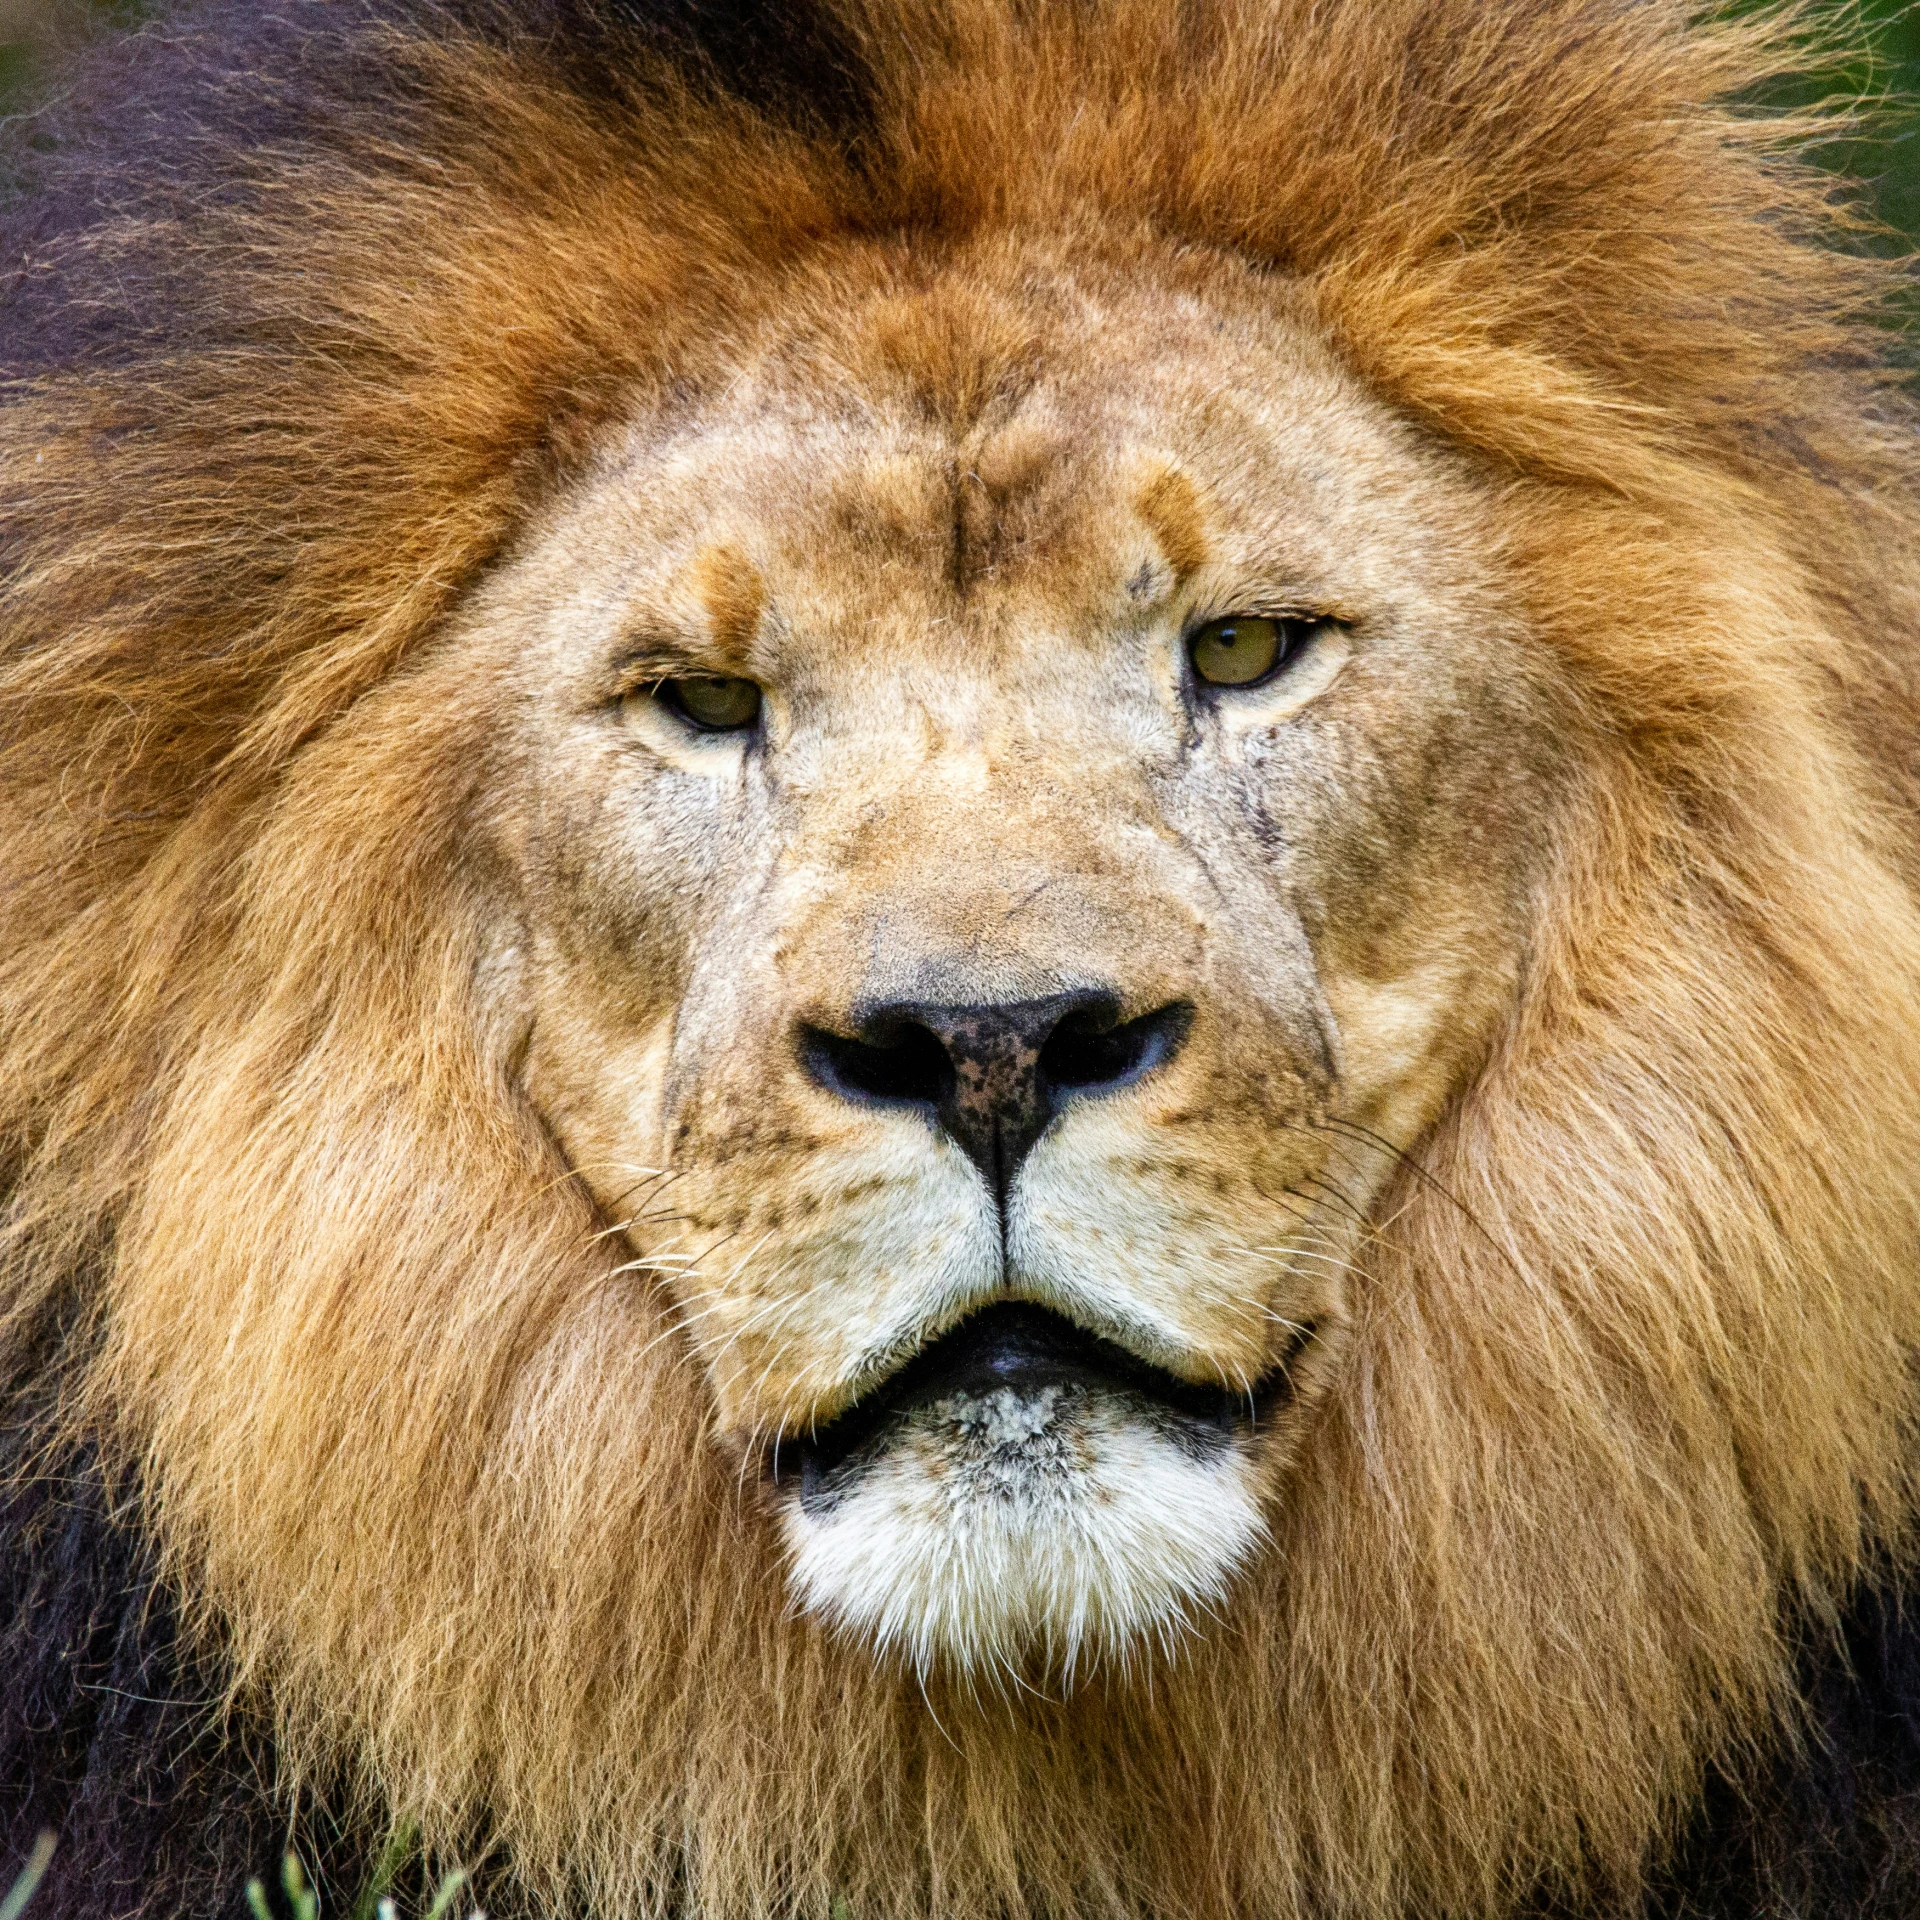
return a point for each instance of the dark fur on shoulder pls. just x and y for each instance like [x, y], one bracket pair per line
[107, 1738]
[1831, 1829]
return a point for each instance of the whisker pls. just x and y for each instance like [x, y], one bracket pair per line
[1353, 1130]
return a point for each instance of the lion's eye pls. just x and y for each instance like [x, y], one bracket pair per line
[1246, 649]
[713, 702]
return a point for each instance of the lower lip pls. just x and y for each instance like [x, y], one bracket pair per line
[796, 1458]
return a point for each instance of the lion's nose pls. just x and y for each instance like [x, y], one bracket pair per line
[993, 1076]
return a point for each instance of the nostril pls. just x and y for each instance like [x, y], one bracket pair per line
[904, 1063]
[991, 1075]
[1088, 1050]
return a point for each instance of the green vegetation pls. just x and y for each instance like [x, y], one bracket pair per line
[1885, 79]
[32, 32]
[303, 1902]
[1893, 160]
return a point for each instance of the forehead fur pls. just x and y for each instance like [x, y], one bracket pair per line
[1011, 416]
[1628, 1389]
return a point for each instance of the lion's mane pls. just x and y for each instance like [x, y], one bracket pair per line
[307, 308]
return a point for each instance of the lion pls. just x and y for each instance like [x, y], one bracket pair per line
[962, 957]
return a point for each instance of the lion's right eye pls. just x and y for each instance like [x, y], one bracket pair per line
[1247, 649]
[714, 703]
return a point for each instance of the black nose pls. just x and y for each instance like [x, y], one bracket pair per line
[993, 1076]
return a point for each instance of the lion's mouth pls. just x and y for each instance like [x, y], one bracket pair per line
[1003, 1372]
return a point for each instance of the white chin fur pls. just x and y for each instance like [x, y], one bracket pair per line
[1059, 1524]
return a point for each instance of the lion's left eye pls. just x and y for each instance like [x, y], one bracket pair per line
[1245, 649]
[715, 703]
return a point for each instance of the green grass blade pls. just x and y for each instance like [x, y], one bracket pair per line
[303, 1899]
[449, 1892]
[30, 1876]
[401, 1845]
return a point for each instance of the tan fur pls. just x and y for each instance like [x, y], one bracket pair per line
[461, 1477]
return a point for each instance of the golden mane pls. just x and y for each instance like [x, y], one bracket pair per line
[1631, 1393]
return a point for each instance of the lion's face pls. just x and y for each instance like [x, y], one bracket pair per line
[985, 1005]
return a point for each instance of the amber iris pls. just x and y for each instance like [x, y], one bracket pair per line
[713, 702]
[1241, 651]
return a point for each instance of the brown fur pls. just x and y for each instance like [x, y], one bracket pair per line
[1628, 1388]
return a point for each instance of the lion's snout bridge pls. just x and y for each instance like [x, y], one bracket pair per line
[993, 1075]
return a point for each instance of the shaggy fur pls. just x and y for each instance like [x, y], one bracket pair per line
[1590, 1565]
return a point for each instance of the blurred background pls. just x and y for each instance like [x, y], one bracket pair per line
[31, 33]
[1888, 71]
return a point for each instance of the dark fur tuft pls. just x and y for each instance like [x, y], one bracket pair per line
[109, 1737]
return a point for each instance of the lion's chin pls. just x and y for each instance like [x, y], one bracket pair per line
[1024, 1496]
